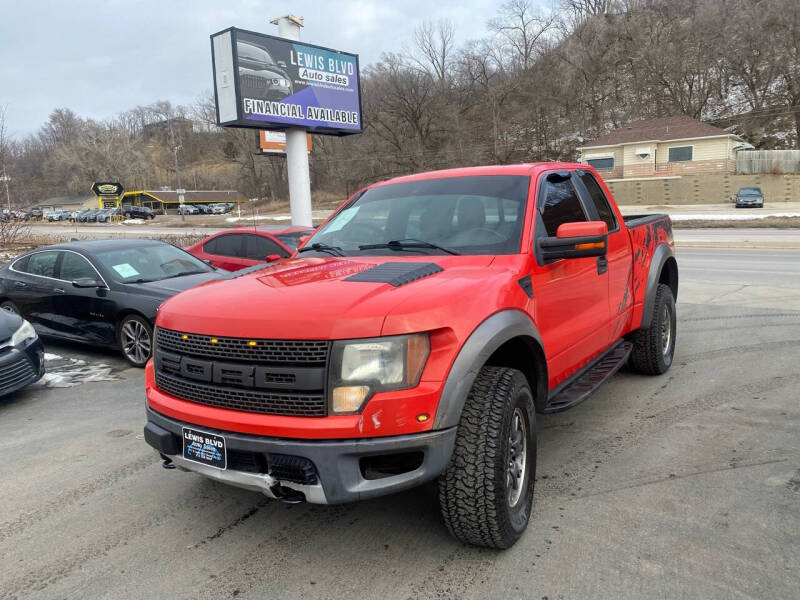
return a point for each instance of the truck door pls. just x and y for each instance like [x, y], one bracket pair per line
[619, 256]
[570, 295]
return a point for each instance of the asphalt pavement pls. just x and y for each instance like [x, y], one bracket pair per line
[685, 485]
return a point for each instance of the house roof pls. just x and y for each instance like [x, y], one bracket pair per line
[201, 196]
[657, 130]
[66, 200]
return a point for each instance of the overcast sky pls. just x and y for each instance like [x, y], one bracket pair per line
[103, 57]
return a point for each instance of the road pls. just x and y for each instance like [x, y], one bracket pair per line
[685, 485]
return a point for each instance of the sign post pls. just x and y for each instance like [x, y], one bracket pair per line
[296, 146]
[181, 201]
[279, 83]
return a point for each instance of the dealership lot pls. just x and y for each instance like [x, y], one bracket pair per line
[681, 485]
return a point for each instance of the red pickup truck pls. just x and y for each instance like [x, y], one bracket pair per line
[414, 337]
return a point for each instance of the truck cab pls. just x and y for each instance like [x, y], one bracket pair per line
[414, 337]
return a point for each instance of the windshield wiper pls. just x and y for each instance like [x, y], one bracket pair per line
[407, 244]
[335, 250]
[182, 274]
[141, 280]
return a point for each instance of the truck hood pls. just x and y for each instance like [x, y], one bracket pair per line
[311, 298]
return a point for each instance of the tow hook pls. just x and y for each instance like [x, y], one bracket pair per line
[287, 495]
[167, 462]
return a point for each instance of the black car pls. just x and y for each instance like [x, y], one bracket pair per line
[137, 212]
[260, 76]
[101, 292]
[749, 196]
[21, 353]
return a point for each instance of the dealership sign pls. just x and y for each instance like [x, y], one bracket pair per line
[103, 188]
[266, 82]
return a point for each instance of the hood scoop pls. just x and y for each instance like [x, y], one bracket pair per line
[396, 273]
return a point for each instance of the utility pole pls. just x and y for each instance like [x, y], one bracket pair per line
[296, 144]
[178, 189]
[7, 179]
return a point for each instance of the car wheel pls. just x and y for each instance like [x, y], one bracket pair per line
[9, 306]
[486, 492]
[136, 339]
[654, 347]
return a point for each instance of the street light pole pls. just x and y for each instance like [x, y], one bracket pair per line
[178, 179]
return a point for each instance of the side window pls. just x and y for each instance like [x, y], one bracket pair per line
[42, 263]
[210, 247]
[258, 248]
[559, 204]
[599, 200]
[230, 245]
[74, 266]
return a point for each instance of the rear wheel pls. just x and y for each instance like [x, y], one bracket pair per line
[136, 339]
[654, 347]
[486, 492]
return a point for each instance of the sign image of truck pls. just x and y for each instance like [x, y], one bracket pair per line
[414, 337]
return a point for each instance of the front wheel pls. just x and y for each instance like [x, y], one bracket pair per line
[654, 347]
[486, 492]
[136, 339]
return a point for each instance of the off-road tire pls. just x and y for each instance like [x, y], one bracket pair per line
[473, 494]
[648, 355]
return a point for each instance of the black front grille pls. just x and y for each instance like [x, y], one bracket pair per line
[15, 374]
[298, 352]
[247, 400]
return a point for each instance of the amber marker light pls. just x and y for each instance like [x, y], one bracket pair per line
[184, 337]
[590, 246]
[349, 399]
[214, 340]
[422, 418]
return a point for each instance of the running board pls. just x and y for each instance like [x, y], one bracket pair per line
[584, 384]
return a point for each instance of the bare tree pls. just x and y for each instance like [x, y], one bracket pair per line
[434, 43]
[523, 30]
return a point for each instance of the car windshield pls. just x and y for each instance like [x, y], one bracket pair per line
[750, 192]
[149, 263]
[291, 240]
[461, 215]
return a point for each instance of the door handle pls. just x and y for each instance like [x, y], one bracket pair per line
[20, 284]
[602, 265]
[59, 290]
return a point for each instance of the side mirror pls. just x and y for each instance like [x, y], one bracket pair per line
[273, 257]
[301, 241]
[576, 240]
[86, 282]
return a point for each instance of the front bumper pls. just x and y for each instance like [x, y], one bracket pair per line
[340, 475]
[21, 365]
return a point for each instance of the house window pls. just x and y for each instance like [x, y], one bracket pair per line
[680, 153]
[601, 164]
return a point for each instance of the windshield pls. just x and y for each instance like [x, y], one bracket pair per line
[466, 215]
[750, 192]
[149, 263]
[291, 240]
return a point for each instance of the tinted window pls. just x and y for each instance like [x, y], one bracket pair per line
[227, 245]
[459, 213]
[559, 204]
[42, 263]
[602, 164]
[599, 200]
[258, 247]
[680, 153]
[74, 266]
[292, 240]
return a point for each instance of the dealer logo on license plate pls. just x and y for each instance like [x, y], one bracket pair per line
[204, 448]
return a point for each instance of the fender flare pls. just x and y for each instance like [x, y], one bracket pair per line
[480, 345]
[662, 254]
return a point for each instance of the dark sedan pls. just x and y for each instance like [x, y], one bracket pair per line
[21, 353]
[101, 292]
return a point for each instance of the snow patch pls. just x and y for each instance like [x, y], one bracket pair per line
[133, 222]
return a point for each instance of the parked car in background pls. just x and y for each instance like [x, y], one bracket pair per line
[188, 209]
[203, 208]
[219, 209]
[21, 353]
[35, 213]
[87, 216]
[57, 215]
[130, 211]
[100, 292]
[749, 197]
[239, 248]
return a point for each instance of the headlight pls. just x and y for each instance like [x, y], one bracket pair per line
[23, 334]
[361, 367]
